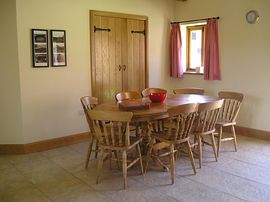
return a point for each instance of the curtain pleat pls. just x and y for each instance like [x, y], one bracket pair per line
[211, 54]
[176, 68]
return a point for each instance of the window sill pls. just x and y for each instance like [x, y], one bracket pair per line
[193, 73]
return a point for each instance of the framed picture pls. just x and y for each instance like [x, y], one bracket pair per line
[40, 48]
[58, 48]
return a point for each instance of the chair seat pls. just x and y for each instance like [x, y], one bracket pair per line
[223, 122]
[133, 142]
[161, 136]
[196, 133]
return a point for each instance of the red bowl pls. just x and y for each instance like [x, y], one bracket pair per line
[157, 97]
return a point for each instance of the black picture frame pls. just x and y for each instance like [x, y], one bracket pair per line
[58, 48]
[40, 55]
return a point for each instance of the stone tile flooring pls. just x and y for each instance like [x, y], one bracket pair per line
[59, 175]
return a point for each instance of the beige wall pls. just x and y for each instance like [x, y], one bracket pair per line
[45, 102]
[244, 56]
[50, 96]
[10, 101]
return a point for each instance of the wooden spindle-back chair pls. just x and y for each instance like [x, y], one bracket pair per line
[89, 103]
[228, 115]
[113, 134]
[205, 125]
[180, 125]
[145, 93]
[127, 95]
[130, 95]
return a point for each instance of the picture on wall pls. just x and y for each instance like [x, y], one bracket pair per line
[58, 48]
[40, 48]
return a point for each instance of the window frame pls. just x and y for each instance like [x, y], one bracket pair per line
[188, 38]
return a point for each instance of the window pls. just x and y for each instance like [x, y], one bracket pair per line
[193, 47]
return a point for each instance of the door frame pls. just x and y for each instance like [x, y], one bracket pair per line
[92, 13]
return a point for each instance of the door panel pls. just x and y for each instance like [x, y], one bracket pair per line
[97, 62]
[135, 73]
[121, 42]
[105, 63]
[105, 73]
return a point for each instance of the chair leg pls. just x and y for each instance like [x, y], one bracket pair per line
[200, 150]
[100, 165]
[110, 158]
[154, 128]
[163, 125]
[149, 153]
[172, 162]
[140, 157]
[124, 156]
[137, 130]
[214, 145]
[191, 157]
[160, 124]
[118, 161]
[234, 136]
[219, 140]
[97, 148]
[89, 151]
[194, 139]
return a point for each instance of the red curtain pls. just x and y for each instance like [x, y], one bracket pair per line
[175, 52]
[211, 54]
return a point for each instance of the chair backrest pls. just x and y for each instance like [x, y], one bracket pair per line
[146, 92]
[127, 95]
[111, 128]
[181, 121]
[197, 91]
[88, 103]
[207, 116]
[231, 105]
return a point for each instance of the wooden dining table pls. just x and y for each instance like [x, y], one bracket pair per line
[158, 110]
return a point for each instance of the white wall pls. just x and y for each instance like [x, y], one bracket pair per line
[10, 101]
[50, 96]
[244, 53]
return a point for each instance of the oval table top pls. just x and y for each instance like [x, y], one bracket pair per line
[158, 110]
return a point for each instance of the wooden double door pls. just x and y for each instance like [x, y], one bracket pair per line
[118, 54]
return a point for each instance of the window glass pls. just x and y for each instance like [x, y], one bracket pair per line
[193, 47]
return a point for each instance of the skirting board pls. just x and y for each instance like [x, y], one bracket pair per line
[43, 145]
[73, 139]
[250, 132]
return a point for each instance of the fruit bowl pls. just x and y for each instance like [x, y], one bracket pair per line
[157, 97]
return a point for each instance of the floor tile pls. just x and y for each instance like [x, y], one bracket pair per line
[193, 191]
[11, 180]
[27, 194]
[25, 158]
[4, 162]
[240, 187]
[57, 187]
[71, 162]
[244, 170]
[81, 147]
[58, 151]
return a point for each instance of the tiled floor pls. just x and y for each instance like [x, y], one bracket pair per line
[59, 175]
